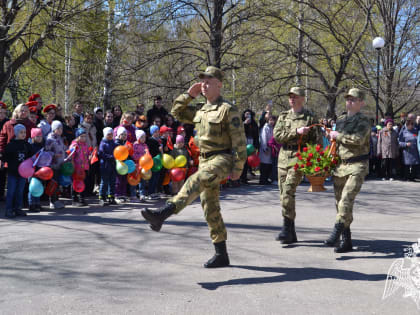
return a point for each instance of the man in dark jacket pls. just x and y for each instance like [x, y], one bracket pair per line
[252, 137]
[156, 111]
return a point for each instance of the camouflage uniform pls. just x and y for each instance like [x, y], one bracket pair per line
[286, 134]
[220, 130]
[352, 144]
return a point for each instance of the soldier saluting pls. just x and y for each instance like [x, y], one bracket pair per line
[222, 153]
[352, 135]
[290, 126]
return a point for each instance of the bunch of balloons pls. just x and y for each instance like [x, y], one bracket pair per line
[124, 166]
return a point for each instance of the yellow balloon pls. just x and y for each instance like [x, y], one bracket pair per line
[168, 161]
[180, 161]
[146, 175]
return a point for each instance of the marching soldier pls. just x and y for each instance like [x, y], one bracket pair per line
[222, 153]
[352, 135]
[290, 126]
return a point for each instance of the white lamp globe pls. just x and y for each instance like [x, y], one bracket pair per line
[378, 42]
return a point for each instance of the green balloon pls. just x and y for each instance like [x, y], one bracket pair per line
[157, 163]
[67, 169]
[250, 149]
[122, 168]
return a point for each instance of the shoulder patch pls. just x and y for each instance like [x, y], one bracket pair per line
[236, 122]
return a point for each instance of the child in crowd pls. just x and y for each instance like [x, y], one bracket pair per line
[36, 146]
[180, 149]
[121, 181]
[16, 151]
[155, 148]
[69, 129]
[166, 142]
[127, 123]
[80, 160]
[107, 168]
[140, 148]
[55, 145]
[265, 151]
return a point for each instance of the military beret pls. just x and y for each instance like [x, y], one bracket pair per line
[33, 97]
[3, 105]
[49, 107]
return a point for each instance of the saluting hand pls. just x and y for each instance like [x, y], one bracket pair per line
[195, 90]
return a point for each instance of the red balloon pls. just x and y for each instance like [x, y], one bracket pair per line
[192, 170]
[253, 160]
[78, 185]
[44, 173]
[79, 174]
[51, 187]
[130, 148]
[177, 174]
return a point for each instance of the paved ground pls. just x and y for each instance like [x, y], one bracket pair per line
[108, 262]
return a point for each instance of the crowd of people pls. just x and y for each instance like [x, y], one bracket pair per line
[35, 128]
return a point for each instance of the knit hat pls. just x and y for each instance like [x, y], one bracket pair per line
[163, 129]
[36, 132]
[80, 131]
[98, 109]
[374, 129]
[139, 134]
[153, 129]
[180, 129]
[179, 139]
[17, 128]
[389, 121]
[121, 130]
[56, 124]
[107, 131]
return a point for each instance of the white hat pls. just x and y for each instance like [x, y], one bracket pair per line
[56, 124]
[121, 130]
[139, 134]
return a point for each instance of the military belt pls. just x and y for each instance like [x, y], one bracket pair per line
[211, 153]
[291, 147]
[356, 159]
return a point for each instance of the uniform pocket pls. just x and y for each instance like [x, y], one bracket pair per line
[215, 124]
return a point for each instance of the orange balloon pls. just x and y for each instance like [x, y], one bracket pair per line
[166, 179]
[133, 180]
[146, 162]
[121, 153]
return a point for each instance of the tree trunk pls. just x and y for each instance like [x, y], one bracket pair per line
[216, 35]
[300, 47]
[67, 63]
[108, 58]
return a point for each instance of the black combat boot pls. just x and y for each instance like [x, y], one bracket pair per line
[345, 243]
[156, 218]
[288, 233]
[20, 213]
[220, 259]
[335, 235]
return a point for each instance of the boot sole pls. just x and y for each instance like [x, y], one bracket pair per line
[153, 225]
[344, 250]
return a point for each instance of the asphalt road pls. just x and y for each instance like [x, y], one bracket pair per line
[107, 261]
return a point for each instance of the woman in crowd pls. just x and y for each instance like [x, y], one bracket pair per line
[408, 142]
[117, 114]
[388, 149]
[252, 137]
[45, 124]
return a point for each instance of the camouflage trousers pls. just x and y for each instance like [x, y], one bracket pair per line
[206, 184]
[346, 189]
[288, 180]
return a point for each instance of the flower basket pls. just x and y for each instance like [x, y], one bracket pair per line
[317, 183]
[316, 163]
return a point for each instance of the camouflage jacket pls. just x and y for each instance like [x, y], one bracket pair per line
[285, 133]
[352, 141]
[218, 125]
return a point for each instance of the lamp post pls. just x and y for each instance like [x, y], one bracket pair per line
[377, 43]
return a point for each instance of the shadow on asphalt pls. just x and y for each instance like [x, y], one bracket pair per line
[293, 275]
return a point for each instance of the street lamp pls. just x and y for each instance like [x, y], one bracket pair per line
[377, 43]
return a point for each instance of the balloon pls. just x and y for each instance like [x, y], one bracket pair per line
[44, 173]
[79, 174]
[51, 187]
[122, 168]
[177, 174]
[146, 175]
[146, 162]
[35, 187]
[67, 169]
[180, 161]
[134, 178]
[157, 163]
[130, 148]
[121, 153]
[168, 161]
[64, 180]
[253, 160]
[250, 149]
[166, 179]
[130, 165]
[44, 159]
[26, 168]
[192, 170]
[78, 185]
